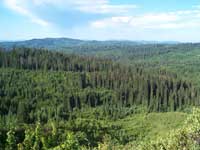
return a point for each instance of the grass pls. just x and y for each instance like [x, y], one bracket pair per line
[143, 127]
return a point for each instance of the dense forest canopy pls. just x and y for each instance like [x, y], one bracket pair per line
[55, 100]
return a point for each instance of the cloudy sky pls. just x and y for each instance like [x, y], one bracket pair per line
[160, 20]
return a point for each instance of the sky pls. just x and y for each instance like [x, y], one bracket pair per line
[151, 20]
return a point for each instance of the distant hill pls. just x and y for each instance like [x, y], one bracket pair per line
[67, 44]
[48, 43]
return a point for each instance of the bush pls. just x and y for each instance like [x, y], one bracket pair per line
[186, 138]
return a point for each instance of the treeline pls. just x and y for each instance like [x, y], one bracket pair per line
[129, 50]
[47, 85]
[33, 59]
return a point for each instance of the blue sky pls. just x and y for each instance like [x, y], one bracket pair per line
[169, 20]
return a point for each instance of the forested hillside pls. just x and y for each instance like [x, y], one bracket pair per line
[53, 100]
[75, 45]
[179, 58]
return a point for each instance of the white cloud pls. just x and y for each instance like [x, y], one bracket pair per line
[89, 6]
[27, 7]
[196, 6]
[106, 8]
[170, 20]
[122, 23]
[18, 6]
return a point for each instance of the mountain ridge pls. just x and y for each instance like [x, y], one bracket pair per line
[63, 42]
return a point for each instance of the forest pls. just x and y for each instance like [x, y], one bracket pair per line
[99, 95]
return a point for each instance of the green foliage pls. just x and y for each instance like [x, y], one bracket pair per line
[140, 127]
[28, 140]
[187, 137]
[71, 143]
[58, 101]
[11, 141]
[194, 120]
[42, 85]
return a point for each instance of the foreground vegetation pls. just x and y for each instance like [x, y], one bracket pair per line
[61, 135]
[183, 138]
[51, 100]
